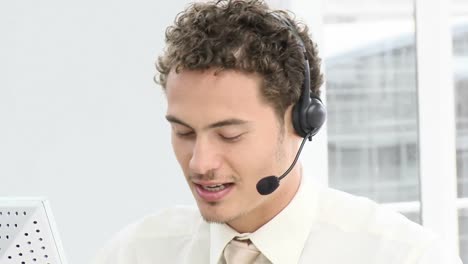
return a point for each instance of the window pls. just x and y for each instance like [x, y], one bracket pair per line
[370, 64]
[460, 74]
[391, 113]
[460, 52]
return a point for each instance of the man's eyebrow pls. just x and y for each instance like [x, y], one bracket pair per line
[173, 119]
[222, 123]
[228, 122]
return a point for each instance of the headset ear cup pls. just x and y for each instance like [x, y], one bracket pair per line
[315, 115]
[309, 119]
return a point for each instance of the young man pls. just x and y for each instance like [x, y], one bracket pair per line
[237, 80]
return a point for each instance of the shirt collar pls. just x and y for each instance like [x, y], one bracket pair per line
[220, 235]
[282, 239]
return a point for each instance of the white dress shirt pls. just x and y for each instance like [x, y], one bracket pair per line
[320, 226]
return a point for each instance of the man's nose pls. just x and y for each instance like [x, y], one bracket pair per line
[205, 157]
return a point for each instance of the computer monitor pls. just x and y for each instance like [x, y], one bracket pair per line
[28, 233]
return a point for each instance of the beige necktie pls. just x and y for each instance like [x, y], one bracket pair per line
[240, 252]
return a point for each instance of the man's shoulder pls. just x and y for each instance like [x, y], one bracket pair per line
[155, 236]
[359, 215]
[367, 232]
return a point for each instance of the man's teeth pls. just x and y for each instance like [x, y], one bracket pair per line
[214, 188]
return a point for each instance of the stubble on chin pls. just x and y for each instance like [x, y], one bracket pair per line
[214, 219]
[219, 221]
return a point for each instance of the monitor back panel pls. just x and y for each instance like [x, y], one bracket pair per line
[28, 233]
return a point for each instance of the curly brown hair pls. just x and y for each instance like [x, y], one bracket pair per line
[247, 36]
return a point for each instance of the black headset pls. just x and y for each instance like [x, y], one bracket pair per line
[308, 116]
[309, 113]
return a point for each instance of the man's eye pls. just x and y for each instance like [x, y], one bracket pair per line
[185, 134]
[231, 138]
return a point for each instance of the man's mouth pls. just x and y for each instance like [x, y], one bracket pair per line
[216, 188]
[213, 192]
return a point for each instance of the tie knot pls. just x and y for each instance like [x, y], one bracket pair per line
[240, 251]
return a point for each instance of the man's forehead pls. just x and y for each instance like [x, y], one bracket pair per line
[213, 99]
[198, 88]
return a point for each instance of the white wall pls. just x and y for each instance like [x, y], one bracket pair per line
[81, 121]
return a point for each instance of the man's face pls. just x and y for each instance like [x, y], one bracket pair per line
[226, 138]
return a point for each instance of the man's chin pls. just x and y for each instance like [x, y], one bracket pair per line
[212, 217]
[213, 221]
[214, 212]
